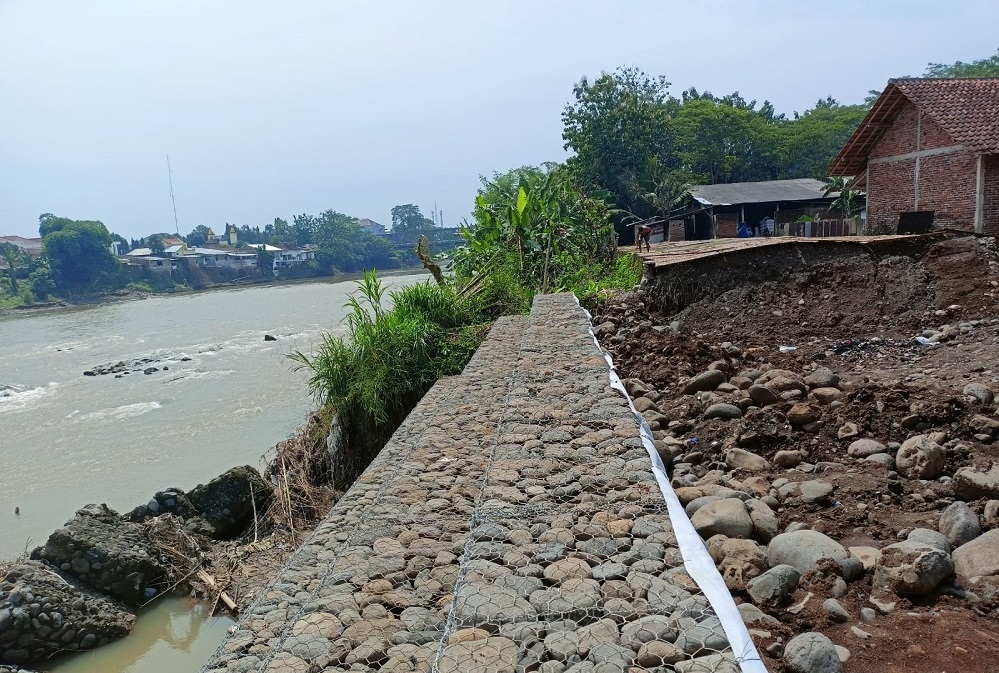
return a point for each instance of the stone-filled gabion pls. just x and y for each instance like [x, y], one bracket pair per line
[43, 612]
[105, 552]
[512, 523]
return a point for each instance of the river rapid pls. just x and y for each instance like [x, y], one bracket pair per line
[222, 396]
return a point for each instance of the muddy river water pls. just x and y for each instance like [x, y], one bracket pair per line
[67, 439]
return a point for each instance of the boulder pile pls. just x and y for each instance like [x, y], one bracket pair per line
[80, 589]
[821, 489]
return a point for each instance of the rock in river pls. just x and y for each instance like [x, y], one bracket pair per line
[43, 613]
[227, 501]
[106, 552]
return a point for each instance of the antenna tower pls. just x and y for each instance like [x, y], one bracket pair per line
[176, 225]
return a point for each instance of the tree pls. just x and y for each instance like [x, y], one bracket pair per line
[14, 257]
[198, 236]
[408, 224]
[810, 142]
[983, 67]
[281, 231]
[78, 252]
[846, 198]
[155, 244]
[614, 125]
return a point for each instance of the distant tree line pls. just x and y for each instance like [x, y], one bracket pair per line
[77, 256]
[636, 146]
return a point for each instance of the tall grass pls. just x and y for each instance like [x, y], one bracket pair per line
[373, 375]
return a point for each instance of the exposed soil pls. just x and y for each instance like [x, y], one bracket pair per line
[859, 318]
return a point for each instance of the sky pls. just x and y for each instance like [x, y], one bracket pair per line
[272, 109]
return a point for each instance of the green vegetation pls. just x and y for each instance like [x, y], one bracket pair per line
[983, 67]
[24, 280]
[374, 375]
[636, 146]
[341, 245]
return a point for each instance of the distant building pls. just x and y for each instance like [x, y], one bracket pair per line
[227, 258]
[773, 207]
[32, 246]
[372, 227]
[928, 153]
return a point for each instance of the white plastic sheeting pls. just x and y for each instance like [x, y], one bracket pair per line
[696, 559]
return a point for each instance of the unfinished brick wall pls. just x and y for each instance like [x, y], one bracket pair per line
[932, 135]
[900, 137]
[677, 231]
[945, 184]
[990, 200]
[891, 189]
[726, 225]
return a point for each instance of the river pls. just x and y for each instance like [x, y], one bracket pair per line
[67, 439]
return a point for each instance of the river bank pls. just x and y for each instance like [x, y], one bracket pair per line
[100, 439]
[119, 296]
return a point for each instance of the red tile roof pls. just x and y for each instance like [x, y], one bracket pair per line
[966, 108]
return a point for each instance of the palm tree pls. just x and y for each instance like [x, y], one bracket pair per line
[12, 254]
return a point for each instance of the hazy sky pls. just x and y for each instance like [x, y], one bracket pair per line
[269, 109]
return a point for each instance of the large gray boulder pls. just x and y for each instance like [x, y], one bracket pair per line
[823, 377]
[920, 457]
[862, 448]
[227, 502]
[728, 517]
[704, 382]
[980, 391]
[44, 612]
[740, 459]
[108, 553]
[803, 549]
[971, 484]
[811, 653]
[912, 569]
[774, 587]
[959, 524]
[978, 558]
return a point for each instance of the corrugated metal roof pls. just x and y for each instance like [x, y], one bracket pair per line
[735, 193]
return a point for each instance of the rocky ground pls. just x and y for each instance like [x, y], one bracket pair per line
[833, 436]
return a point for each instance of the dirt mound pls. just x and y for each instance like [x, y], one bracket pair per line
[882, 348]
[856, 297]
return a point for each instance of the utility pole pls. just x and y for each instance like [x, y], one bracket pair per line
[176, 225]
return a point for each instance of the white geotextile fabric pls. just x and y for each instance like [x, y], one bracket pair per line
[696, 559]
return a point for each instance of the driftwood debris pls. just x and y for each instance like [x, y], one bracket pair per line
[422, 251]
[208, 580]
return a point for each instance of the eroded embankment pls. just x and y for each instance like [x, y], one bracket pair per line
[876, 450]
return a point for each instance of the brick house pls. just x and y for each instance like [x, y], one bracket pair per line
[929, 146]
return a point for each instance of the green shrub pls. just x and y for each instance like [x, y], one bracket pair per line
[374, 374]
[589, 281]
